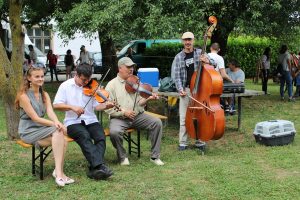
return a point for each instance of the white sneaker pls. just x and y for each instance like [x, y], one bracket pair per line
[125, 162]
[157, 161]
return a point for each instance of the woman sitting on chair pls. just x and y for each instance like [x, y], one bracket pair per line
[33, 104]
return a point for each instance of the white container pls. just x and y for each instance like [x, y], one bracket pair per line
[274, 132]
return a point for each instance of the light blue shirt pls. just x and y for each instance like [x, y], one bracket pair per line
[239, 75]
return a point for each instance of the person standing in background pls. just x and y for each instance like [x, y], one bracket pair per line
[284, 59]
[69, 62]
[52, 58]
[84, 56]
[32, 54]
[265, 63]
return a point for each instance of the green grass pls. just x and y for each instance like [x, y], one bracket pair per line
[234, 167]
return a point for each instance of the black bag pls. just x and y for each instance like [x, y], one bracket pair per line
[167, 84]
[279, 69]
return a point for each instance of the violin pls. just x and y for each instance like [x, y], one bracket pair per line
[133, 85]
[204, 117]
[100, 94]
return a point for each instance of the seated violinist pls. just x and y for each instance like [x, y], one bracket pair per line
[131, 114]
[81, 121]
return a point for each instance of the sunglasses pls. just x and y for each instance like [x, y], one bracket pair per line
[33, 68]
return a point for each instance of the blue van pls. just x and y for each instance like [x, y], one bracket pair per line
[138, 48]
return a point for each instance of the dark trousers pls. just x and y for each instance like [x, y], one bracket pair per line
[53, 69]
[91, 140]
[265, 78]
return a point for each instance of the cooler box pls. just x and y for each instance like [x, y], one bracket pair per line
[149, 75]
[274, 132]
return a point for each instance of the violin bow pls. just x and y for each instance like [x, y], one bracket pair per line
[104, 77]
[137, 91]
[211, 110]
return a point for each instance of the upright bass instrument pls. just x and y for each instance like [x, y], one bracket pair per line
[205, 117]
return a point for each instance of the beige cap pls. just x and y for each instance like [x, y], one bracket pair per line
[125, 61]
[187, 35]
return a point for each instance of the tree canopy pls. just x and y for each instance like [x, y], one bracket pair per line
[119, 19]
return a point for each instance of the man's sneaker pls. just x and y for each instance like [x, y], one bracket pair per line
[157, 161]
[292, 99]
[125, 162]
[226, 108]
[182, 148]
[232, 111]
[100, 172]
[199, 143]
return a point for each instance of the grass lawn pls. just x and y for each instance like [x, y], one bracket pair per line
[234, 167]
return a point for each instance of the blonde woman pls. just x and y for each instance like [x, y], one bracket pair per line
[33, 104]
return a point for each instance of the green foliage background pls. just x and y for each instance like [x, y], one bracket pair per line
[246, 49]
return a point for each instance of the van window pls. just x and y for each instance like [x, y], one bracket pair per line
[124, 50]
[139, 48]
[37, 51]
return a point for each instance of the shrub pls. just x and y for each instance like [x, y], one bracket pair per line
[247, 50]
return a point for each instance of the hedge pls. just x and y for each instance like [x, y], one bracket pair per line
[247, 50]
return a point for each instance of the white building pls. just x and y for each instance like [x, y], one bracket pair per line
[46, 40]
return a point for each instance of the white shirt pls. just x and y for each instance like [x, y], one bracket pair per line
[33, 56]
[265, 62]
[85, 57]
[71, 94]
[283, 59]
[219, 61]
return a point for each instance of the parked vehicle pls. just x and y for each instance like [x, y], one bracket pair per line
[97, 63]
[41, 58]
[6, 38]
[60, 66]
[138, 47]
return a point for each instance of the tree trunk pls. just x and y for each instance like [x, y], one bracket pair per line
[11, 72]
[109, 58]
[12, 119]
[221, 37]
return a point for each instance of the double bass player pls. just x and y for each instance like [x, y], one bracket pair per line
[184, 64]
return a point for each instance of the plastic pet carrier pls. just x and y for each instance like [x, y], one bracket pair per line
[274, 132]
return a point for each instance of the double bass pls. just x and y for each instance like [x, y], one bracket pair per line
[204, 117]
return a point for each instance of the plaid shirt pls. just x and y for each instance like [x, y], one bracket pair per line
[179, 73]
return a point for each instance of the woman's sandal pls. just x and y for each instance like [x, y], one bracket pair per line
[60, 182]
[67, 181]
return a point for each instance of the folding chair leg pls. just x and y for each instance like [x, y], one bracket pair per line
[139, 143]
[33, 160]
[42, 164]
[129, 143]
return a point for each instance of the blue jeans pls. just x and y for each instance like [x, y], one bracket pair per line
[286, 78]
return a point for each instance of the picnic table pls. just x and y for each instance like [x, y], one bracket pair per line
[247, 93]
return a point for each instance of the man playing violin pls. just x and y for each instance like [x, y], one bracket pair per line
[132, 114]
[81, 121]
[184, 65]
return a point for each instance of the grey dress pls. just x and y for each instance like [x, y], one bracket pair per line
[30, 131]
